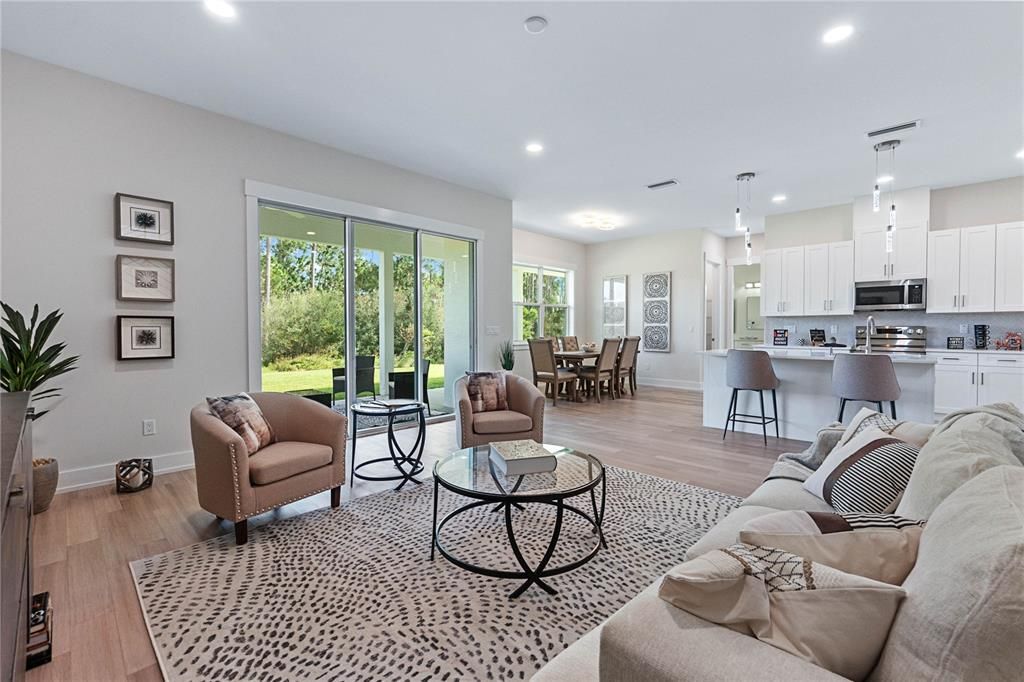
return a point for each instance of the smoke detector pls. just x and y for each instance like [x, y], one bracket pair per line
[535, 25]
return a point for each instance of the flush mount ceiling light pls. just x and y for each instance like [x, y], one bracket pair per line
[837, 34]
[742, 179]
[778, 198]
[600, 222]
[220, 8]
[535, 25]
[534, 147]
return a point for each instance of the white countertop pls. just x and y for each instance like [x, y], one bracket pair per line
[823, 354]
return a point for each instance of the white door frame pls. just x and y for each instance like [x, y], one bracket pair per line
[731, 264]
[716, 319]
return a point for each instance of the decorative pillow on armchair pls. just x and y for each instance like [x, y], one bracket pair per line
[242, 414]
[833, 619]
[486, 391]
[867, 474]
[882, 547]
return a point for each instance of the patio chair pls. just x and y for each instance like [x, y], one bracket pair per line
[364, 377]
[403, 384]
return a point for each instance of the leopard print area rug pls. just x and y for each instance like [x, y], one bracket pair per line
[352, 594]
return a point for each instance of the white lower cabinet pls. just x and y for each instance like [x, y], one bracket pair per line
[1000, 380]
[956, 378]
[972, 379]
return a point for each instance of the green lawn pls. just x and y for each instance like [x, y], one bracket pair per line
[320, 379]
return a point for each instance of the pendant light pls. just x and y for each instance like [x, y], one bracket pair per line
[741, 179]
[887, 146]
[749, 247]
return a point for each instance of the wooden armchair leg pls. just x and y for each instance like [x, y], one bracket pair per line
[336, 497]
[241, 532]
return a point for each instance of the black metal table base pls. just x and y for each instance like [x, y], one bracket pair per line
[408, 462]
[529, 574]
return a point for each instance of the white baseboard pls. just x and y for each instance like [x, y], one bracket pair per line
[681, 384]
[103, 474]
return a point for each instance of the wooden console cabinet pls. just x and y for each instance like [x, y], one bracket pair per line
[16, 524]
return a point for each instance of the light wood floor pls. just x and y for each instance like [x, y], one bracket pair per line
[83, 543]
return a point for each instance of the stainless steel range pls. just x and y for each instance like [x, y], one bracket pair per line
[893, 339]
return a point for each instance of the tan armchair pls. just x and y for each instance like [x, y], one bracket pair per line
[524, 418]
[308, 457]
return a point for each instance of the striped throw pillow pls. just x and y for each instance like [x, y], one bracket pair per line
[866, 474]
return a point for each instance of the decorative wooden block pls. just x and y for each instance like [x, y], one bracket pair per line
[133, 475]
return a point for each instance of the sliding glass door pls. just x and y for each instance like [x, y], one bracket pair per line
[411, 309]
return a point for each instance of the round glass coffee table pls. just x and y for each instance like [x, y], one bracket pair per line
[469, 473]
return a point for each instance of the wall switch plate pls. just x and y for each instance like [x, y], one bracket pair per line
[963, 329]
[492, 330]
[148, 427]
[833, 330]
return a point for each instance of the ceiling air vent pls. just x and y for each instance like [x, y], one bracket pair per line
[663, 184]
[898, 128]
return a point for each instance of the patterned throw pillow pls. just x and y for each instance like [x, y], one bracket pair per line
[878, 546]
[866, 474]
[833, 619]
[912, 432]
[242, 414]
[486, 391]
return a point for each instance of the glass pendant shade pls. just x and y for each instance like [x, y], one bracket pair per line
[739, 219]
[876, 199]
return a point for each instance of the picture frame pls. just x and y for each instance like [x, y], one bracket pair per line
[143, 219]
[614, 306]
[145, 337]
[142, 278]
[656, 332]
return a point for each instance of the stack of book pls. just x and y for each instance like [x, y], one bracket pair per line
[520, 457]
[40, 631]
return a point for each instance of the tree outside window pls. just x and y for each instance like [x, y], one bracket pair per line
[541, 301]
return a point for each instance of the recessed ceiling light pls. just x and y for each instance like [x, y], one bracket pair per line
[220, 8]
[883, 179]
[311, 233]
[535, 147]
[1020, 154]
[778, 198]
[837, 34]
[535, 25]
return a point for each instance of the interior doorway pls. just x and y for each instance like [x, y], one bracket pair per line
[713, 332]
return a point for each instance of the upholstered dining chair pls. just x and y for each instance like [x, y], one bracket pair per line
[523, 420]
[603, 371]
[625, 365]
[570, 343]
[547, 371]
[307, 457]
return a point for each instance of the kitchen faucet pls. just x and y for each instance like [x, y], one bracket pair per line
[871, 329]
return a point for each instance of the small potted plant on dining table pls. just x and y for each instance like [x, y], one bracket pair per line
[27, 361]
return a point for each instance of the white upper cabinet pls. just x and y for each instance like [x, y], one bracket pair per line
[977, 269]
[944, 271]
[840, 275]
[816, 279]
[872, 263]
[771, 283]
[909, 256]
[1009, 270]
[782, 282]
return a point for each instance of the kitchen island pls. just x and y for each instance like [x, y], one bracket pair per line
[806, 401]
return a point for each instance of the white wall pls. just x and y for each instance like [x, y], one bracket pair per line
[681, 252]
[539, 249]
[736, 248]
[71, 142]
[814, 226]
[982, 203]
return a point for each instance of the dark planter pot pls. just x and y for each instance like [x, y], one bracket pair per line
[44, 484]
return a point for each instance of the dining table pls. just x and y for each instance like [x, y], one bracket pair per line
[577, 357]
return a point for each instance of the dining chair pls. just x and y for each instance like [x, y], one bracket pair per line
[625, 366]
[547, 371]
[570, 343]
[865, 378]
[604, 370]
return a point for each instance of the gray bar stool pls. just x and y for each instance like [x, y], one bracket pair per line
[751, 370]
[865, 378]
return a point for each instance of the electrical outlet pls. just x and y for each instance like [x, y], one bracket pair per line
[833, 330]
[148, 427]
[493, 330]
[963, 329]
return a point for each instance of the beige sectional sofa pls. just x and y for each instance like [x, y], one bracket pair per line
[962, 619]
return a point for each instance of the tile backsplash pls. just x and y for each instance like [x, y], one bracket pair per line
[939, 325]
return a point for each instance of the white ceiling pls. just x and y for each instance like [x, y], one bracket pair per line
[621, 94]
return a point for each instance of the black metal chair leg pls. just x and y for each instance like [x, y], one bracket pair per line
[842, 406]
[764, 423]
[775, 410]
[728, 415]
[892, 406]
[880, 407]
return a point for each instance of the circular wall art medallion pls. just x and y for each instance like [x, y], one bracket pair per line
[656, 285]
[656, 337]
[655, 312]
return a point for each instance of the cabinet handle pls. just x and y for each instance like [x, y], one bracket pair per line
[956, 359]
[982, 378]
[954, 300]
[972, 378]
[1002, 360]
[963, 300]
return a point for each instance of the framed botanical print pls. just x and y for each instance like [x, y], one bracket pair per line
[145, 338]
[143, 219]
[145, 279]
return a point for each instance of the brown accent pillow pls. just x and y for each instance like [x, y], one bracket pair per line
[242, 414]
[882, 547]
[833, 619]
[486, 391]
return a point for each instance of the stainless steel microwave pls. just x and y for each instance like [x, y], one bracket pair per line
[901, 294]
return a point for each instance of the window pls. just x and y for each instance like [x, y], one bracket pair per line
[540, 301]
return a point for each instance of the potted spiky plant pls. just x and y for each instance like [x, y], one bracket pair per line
[507, 355]
[27, 361]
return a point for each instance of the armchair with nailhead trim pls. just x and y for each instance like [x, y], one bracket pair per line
[523, 420]
[306, 458]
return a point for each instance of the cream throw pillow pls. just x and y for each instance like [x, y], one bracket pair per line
[242, 414]
[832, 619]
[882, 547]
[910, 432]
